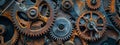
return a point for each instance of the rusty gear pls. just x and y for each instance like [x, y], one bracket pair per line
[91, 25]
[29, 19]
[8, 35]
[93, 4]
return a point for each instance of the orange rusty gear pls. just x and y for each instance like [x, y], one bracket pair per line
[35, 23]
[91, 25]
[96, 4]
[67, 5]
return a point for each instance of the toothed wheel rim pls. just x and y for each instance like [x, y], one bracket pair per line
[62, 28]
[36, 26]
[83, 28]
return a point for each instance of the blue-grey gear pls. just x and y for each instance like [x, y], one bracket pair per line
[62, 28]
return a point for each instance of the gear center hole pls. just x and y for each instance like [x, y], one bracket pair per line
[67, 4]
[61, 26]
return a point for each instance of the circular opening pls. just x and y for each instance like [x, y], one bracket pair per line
[61, 26]
[33, 12]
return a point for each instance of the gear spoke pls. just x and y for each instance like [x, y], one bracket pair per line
[43, 18]
[85, 31]
[91, 16]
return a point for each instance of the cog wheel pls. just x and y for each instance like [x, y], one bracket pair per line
[116, 19]
[67, 5]
[93, 4]
[62, 27]
[91, 25]
[8, 35]
[29, 18]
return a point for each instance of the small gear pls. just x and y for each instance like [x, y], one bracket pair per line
[62, 27]
[67, 5]
[93, 4]
[91, 25]
[8, 35]
[29, 18]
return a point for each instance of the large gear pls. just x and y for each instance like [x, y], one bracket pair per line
[8, 35]
[62, 28]
[29, 19]
[93, 4]
[91, 25]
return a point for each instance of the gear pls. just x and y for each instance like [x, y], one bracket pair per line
[67, 5]
[29, 19]
[8, 35]
[91, 25]
[62, 28]
[93, 4]
[116, 19]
